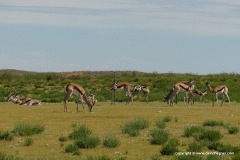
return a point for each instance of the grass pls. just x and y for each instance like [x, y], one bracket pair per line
[106, 119]
[24, 129]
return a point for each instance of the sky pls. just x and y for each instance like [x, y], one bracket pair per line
[179, 36]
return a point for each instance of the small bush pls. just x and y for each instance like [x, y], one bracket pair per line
[110, 142]
[174, 142]
[28, 141]
[210, 135]
[233, 130]
[80, 132]
[5, 135]
[214, 145]
[161, 124]
[159, 136]
[195, 147]
[228, 148]
[176, 119]
[213, 123]
[24, 129]
[192, 131]
[132, 128]
[87, 142]
[236, 156]
[62, 138]
[167, 119]
[71, 148]
[169, 150]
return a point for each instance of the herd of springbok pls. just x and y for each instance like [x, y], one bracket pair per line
[185, 87]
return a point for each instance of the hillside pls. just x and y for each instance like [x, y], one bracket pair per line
[48, 86]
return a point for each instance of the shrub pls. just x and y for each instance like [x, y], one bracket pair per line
[110, 142]
[167, 119]
[233, 130]
[62, 138]
[159, 136]
[214, 145]
[71, 148]
[80, 132]
[210, 135]
[213, 123]
[174, 142]
[161, 124]
[28, 141]
[87, 142]
[195, 147]
[5, 135]
[169, 150]
[192, 131]
[24, 129]
[236, 156]
[132, 128]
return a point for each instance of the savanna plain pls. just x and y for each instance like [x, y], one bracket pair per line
[107, 119]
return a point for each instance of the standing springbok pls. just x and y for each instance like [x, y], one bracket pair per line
[120, 86]
[23, 100]
[140, 89]
[196, 92]
[78, 91]
[222, 89]
[184, 87]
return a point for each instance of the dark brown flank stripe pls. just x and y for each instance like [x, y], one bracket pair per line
[221, 89]
[184, 88]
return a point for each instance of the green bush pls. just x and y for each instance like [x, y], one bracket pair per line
[5, 135]
[111, 142]
[80, 132]
[210, 135]
[28, 141]
[213, 123]
[133, 127]
[195, 147]
[232, 130]
[159, 136]
[167, 119]
[71, 148]
[161, 124]
[24, 129]
[169, 150]
[62, 138]
[87, 142]
[192, 131]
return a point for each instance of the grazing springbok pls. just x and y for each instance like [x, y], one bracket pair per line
[23, 100]
[91, 98]
[77, 90]
[120, 86]
[196, 92]
[222, 89]
[184, 87]
[140, 89]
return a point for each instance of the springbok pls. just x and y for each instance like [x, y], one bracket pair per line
[23, 100]
[140, 89]
[196, 92]
[91, 98]
[120, 86]
[77, 90]
[184, 87]
[222, 89]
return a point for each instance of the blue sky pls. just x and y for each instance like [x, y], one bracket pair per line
[180, 36]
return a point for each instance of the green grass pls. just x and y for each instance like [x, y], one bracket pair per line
[110, 141]
[108, 119]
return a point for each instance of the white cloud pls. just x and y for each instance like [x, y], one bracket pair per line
[190, 16]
